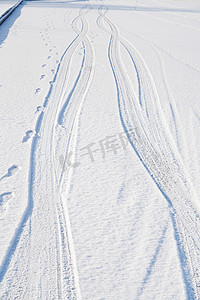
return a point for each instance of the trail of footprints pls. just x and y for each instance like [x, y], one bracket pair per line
[93, 36]
[47, 41]
[7, 196]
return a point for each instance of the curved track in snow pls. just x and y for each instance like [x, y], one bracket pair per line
[144, 123]
[46, 221]
[41, 262]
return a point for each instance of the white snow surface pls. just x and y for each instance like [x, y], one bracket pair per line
[100, 150]
[5, 5]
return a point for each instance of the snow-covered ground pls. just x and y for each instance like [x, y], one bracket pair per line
[100, 150]
[5, 5]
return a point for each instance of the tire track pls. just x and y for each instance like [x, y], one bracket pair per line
[69, 285]
[46, 214]
[162, 161]
[68, 122]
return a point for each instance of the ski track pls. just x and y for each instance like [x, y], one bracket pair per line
[52, 225]
[164, 164]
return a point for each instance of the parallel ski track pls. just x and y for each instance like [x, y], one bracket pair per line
[46, 217]
[144, 123]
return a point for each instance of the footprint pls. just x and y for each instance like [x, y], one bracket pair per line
[37, 90]
[49, 57]
[11, 171]
[4, 199]
[39, 108]
[28, 135]
[53, 71]
[42, 77]
[44, 65]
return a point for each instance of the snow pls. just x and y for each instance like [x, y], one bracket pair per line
[5, 5]
[100, 150]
